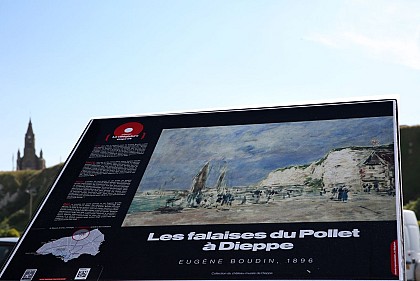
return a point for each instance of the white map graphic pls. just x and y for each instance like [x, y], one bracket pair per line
[81, 242]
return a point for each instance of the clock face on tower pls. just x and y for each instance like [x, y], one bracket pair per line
[29, 140]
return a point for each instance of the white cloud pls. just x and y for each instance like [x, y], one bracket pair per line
[387, 31]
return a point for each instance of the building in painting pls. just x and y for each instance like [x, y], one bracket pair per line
[29, 160]
[377, 171]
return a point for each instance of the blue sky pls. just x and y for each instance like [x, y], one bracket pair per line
[64, 62]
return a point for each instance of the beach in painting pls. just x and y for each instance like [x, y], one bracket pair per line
[359, 207]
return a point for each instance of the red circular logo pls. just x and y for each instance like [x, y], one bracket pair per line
[128, 129]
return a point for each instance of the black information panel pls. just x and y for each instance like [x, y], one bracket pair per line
[286, 193]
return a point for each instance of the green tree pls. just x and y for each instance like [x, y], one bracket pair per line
[414, 206]
[7, 231]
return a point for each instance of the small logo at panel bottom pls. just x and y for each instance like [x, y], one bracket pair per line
[82, 274]
[28, 275]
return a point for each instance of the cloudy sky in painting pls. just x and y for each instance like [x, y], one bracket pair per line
[250, 152]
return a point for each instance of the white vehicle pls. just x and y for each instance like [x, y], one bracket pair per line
[412, 245]
[6, 246]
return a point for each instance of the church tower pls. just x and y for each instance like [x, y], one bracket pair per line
[29, 160]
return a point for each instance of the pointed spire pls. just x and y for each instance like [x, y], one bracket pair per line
[30, 131]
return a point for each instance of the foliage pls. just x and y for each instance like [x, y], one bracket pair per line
[7, 231]
[410, 162]
[414, 206]
[15, 187]
[316, 184]
[11, 232]
[19, 219]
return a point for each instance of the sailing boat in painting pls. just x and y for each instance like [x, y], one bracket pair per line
[198, 185]
[221, 182]
[224, 197]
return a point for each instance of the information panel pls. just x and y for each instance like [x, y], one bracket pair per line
[285, 193]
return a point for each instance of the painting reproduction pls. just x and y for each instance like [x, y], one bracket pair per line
[318, 171]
